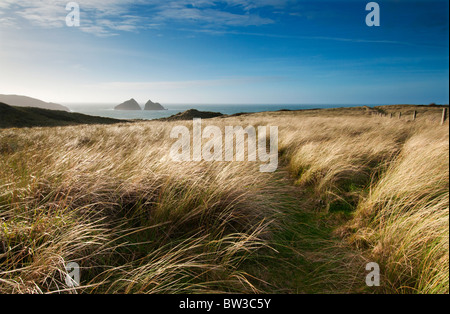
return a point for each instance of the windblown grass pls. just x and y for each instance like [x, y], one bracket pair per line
[390, 179]
[337, 157]
[109, 198]
[404, 221]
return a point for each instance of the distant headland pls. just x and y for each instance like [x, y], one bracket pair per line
[24, 101]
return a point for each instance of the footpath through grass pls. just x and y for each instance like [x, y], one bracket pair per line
[110, 199]
[307, 256]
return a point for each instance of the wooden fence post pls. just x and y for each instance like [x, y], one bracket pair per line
[399, 115]
[414, 115]
[444, 116]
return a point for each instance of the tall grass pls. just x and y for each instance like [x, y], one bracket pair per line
[391, 179]
[404, 221]
[337, 157]
[110, 198]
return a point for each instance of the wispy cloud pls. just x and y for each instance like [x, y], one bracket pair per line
[106, 18]
[8, 22]
[212, 13]
[318, 38]
[102, 18]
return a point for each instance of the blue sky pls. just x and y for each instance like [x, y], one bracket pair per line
[261, 52]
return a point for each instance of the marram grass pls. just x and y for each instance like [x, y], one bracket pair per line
[110, 199]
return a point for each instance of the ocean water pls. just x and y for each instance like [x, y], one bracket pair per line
[107, 110]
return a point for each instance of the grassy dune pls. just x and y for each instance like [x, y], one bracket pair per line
[390, 178]
[351, 188]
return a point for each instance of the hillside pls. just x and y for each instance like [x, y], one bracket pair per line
[353, 186]
[24, 101]
[18, 117]
[192, 114]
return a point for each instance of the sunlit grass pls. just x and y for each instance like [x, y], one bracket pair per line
[109, 198]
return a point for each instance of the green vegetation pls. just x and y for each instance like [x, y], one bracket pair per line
[353, 188]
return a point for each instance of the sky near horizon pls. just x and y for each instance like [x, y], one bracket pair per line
[226, 52]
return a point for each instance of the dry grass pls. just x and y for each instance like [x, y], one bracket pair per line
[404, 221]
[110, 199]
[395, 174]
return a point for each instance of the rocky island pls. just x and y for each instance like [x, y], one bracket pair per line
[150, 105]
[129, 105]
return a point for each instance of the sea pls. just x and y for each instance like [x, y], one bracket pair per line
[107, 110]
